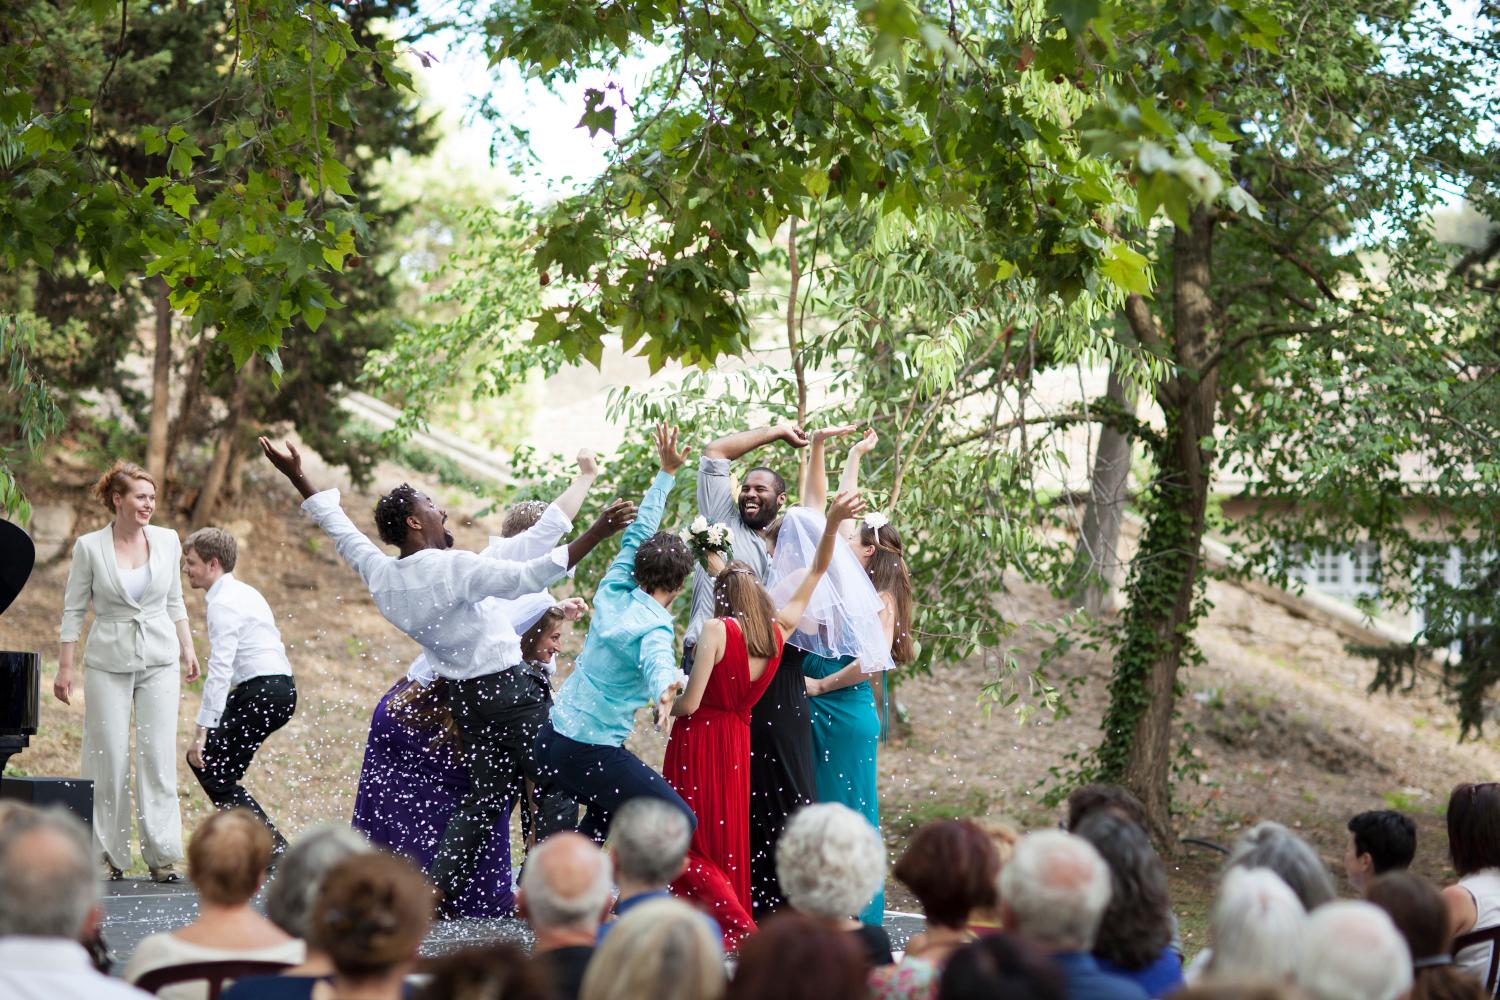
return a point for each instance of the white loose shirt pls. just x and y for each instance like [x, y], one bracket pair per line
[509, 618]
[436, 596]
[243, 642]
[41, 968]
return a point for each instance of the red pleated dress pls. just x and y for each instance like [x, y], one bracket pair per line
[708, 763]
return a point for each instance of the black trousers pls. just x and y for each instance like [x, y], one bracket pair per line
[603, 778]
[253, 711]
[498, 717]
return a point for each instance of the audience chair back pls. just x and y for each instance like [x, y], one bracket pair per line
[216, 974]
[1483, 935]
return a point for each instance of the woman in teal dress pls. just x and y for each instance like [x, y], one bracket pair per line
[859, 630]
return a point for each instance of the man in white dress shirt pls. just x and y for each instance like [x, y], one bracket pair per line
[49, 902]
[438, 596]
[248, 692]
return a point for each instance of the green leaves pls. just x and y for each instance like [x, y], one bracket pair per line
[596, 116]
[1130, 270]
[180, 198]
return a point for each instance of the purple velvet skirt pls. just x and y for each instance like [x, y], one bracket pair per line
[407, 790]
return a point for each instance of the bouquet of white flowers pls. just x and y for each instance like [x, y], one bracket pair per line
[704, 538]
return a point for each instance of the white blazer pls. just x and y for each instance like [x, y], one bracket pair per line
[127, 635]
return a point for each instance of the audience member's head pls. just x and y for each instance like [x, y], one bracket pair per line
[371, 916]
[227, 857]
[486, 972]
[1352, 951]
[1137, 925]
[1420, 914]
[565, 887]
[829, 963]
[48, 883]
[1256, 928]
[830, 861]
[1089, 799]
[299, 876]
[1055, 890]
[648, 843]
[1380, 841]
[1474, 827]
[663, 950]
[952, 867]
[1000, 966]
[1271, 845]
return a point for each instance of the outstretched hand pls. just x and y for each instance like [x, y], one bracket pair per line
[667, 452]
[614, 518]
[573, 608]
[664, 704]
[828, 433]
[288, 463]
[794, 435]
[866, 444]
[846, 506]
[588, 462]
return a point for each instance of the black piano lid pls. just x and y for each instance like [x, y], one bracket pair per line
[17, 559]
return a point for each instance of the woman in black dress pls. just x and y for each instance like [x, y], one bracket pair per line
[781, 774]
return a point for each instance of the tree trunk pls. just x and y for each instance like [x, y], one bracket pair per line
[1165, 590]
[161, 391]
[1096, 563]
[190, 390]
[213, 484]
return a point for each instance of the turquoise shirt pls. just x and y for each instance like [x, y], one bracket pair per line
[629, 656]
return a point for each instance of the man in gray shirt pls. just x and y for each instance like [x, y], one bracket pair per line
[761, 497]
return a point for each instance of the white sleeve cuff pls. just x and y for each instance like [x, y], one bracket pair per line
[559, 521]
[322, 502]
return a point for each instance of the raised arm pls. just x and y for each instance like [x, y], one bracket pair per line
[813, 491]
[556, 520]
[849, 478]
[289, 464]
[732, 446]
[845, 506]
[621, 571]
[571, 499]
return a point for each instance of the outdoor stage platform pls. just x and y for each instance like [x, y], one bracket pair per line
[137, 907]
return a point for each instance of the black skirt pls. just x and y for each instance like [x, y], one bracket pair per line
[781, 774]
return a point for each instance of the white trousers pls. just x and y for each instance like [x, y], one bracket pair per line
[108, 698]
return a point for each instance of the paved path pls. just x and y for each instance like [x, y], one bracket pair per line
[137, 907]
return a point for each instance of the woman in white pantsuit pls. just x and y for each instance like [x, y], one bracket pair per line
[130, 571]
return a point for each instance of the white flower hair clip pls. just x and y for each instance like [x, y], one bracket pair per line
[875, 520]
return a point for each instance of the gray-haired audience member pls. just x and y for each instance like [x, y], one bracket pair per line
[648, 846]
[49, 902]
[661, 951]
[1054, 891]
[1271, 845]
[830, 862]
[1352, 951]
[289, 905]
[565, 892]
[1256, 929]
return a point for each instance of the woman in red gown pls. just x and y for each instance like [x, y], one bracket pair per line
[708, 755]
